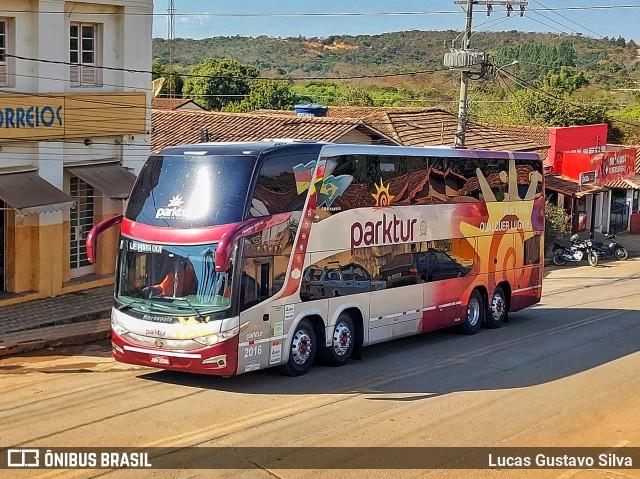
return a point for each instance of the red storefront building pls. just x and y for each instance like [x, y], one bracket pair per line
[597, 183]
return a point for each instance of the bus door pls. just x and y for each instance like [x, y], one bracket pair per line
[256, 317]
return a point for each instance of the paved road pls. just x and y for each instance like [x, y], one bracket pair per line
[564, 373]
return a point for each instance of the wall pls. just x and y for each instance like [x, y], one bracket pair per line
[115, 117]
[575, 138]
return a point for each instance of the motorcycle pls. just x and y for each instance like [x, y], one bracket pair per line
[579, 250]
[613, 248]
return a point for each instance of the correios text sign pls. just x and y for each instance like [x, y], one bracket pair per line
[31, 117]
[46, 117]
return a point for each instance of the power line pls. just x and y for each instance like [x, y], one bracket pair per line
[324, 14]
[567, 18]
[236, 77]
[557, 22]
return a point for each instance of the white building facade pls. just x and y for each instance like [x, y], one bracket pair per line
[75, 88]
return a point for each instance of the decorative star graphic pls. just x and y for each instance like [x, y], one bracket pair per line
[176, 201]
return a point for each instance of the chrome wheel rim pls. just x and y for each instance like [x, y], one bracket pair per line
[498, 306]
[341, 339]
[473, 312]
[301, 347]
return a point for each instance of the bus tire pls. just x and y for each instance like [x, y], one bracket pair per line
[475, 314]
[302, 351]
[343, 341]
[498, 309]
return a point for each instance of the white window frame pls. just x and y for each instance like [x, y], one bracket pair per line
[84, 73]
[7, 64]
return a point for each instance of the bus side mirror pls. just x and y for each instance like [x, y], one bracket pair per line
[228, 239]
[92, 237]
[246, 228]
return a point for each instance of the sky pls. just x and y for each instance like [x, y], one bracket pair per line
[207, 18]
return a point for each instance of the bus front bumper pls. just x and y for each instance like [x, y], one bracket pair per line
[221, 359]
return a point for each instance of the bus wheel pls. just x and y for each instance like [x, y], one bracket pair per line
[498, 309]
[342, 342]
[475, 314]
[303, 349]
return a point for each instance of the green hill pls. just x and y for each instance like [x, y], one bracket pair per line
[347, 55]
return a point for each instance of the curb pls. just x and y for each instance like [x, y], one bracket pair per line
[54, 336]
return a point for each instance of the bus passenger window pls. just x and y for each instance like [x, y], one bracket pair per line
[529, 172]
[437, 170]
[496, 174]
[462, 181]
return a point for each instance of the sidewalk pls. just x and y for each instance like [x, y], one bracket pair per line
[73, 318]
[77, 318]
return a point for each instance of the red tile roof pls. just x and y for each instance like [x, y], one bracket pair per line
[536, 134]
[172, 103]
[430, 126]
[174, 127]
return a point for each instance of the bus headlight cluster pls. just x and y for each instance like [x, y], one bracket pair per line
[118, 328]
[212, 339]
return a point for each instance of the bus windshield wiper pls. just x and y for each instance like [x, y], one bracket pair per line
[193, 308]
[130, 305]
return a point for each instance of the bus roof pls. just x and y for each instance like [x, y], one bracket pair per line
[248, 148]
[257, 148]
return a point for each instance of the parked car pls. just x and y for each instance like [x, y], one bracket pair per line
[326, 282]
[421, 267]
[404, 269]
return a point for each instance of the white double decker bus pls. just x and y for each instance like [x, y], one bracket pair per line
[235, 257]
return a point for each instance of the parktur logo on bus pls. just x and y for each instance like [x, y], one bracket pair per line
[174, 210]
[389, 230]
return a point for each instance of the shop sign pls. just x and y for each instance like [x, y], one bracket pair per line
[614, 165]
[588, 177]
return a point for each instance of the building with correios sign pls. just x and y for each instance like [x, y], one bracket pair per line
[74, 131]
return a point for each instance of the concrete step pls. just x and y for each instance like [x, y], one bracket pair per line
[60, 335]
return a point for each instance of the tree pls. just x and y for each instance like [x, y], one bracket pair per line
[566, 82]
[355, 96]
[557, 223]
[217, 83]
[552, 110]
[269, 94]
[171, 76]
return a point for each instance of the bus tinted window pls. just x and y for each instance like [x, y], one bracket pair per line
[275, 191]
[443, 260]
[529, 172]
[437, 170]
[356, 194]
[191, 191]
[496, 173]
[462, 180]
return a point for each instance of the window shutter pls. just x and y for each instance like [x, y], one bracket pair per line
[88, 75]
[3, 74]
[74, 75]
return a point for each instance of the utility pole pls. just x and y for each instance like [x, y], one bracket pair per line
[465, 59]
[463, 105]
[171, 33]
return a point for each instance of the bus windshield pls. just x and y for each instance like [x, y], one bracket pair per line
[172, 279]
[191, 191]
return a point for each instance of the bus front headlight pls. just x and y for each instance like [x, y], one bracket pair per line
[216, 338]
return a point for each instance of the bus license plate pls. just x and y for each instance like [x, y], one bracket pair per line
[160, 360]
